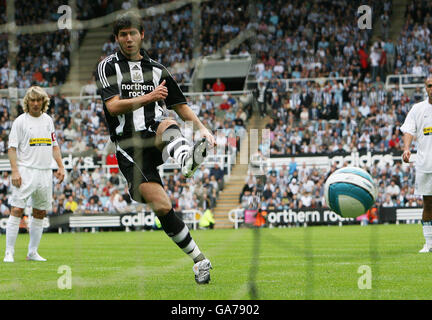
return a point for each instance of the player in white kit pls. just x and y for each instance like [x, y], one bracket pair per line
[32, 145]
[418, 124]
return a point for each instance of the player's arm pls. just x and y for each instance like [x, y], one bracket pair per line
[106, 81]
[186, 114]
[13, 159]
[117, 106]
[407, 140]
[409, 130]
[60, 173]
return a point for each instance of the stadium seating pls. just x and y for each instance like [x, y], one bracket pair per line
[82, 131]
[320, 99]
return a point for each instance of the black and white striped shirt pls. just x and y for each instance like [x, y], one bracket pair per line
[118, 76]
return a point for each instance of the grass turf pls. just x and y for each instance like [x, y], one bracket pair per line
[293, 263]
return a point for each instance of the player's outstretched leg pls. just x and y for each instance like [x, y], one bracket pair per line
[188, 156]
[177, 230]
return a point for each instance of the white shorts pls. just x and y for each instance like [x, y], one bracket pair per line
[423, 183]
[35, 183]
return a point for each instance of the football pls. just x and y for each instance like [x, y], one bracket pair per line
[350, 192]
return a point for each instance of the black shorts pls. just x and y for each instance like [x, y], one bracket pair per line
[138, 160]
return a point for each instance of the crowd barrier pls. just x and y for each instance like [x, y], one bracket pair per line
[296, 217]
[405, 81]
[225, 161]
[145, 220]
[325, 161]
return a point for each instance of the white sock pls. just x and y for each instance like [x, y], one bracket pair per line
[427, 232]
[36, 229]
[196, 253]
[12, 229]
[178, 149]
[176, 146]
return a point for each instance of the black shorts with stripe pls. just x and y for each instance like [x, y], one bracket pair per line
[138, 160]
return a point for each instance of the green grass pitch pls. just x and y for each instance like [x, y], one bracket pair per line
[322, 262]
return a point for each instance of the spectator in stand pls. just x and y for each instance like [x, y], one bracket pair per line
[388, 202]
[225, 105]
[382, 62]
[375, 57]
[91, 207]
[120, 205]
[71, 205]
[112, 160]
[364, 60]
[218, 86]
[260, 96]
[218, 173]
[394, 143]
[390, 50]
[393, 189]
[204, 203]
[70, 134]
[90, 88]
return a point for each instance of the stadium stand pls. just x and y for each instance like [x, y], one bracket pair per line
[42, 58]
[82, 131]
[324, 91]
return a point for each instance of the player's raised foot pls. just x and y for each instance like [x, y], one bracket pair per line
[425, 249]
[9, 256]
[195, 157]
[34, 256]
[202, 271]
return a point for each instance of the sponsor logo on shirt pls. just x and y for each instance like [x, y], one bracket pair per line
[137, 89]
[136, 72]
[427, 131]
[39, 142]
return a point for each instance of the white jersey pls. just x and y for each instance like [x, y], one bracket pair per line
[34, 139]
[419, 124]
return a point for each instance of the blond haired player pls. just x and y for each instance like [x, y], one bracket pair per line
[32, 145]
[418, 124]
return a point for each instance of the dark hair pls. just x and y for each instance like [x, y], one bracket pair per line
[128, 20]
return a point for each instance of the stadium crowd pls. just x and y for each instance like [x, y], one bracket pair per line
[42, 58]
[336, 117]
[294, 40]
[289, 35]
[81, 131]
[353, 113]
[308, 39]
[297, 186]
[220, 22]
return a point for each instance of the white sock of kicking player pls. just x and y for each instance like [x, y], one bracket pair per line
[177, 146]
[36, 229]
[427, 232]
[12, 229]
